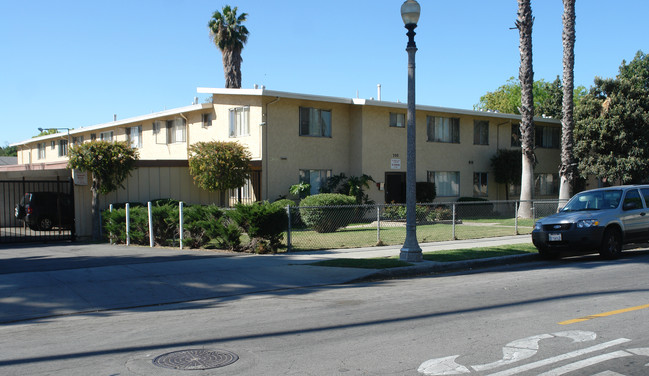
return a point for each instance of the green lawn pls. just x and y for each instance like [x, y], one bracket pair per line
[367, 236]
[438, 256]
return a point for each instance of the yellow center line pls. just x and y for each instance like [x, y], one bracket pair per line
[586, 318]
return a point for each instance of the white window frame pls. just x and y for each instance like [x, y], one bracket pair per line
[206, 119]
[480, 132]
[239, 120]
[134, 136]
[315, 122]
[480, 184]
[397, 120]
[106, 136]
[447, 183]
[42, 147]
[443, 129]
[546, 184]
[315, 178]
[63, 148]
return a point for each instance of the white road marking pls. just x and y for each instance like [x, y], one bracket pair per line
[570, 355]
[512, 352]
[586, 363]
[442, 366]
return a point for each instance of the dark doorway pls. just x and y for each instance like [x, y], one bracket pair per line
[395, 187]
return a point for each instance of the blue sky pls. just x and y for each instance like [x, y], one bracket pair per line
[76, 63]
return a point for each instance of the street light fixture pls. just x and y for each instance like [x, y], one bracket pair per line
[411, 251]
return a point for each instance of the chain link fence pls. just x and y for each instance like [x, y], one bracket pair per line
[313, 228]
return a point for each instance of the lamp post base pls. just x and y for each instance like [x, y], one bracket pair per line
[410, 255]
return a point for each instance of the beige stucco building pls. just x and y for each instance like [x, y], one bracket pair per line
[298, 137]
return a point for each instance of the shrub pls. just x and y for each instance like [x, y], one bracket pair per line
[262, 221]
[316, 211]
[441, 213]
[115, 225]
[296, 219]
[166, 224]
[206, 224]
[425, 191]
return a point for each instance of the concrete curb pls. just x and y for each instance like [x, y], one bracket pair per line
[429, 267]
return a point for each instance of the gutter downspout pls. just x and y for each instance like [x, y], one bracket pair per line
[265, 161]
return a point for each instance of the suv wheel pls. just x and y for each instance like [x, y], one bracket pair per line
[611, 247]
[44, 224]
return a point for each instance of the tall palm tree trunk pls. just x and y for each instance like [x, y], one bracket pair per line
[567, 168]
[232, 67]
[526, 77]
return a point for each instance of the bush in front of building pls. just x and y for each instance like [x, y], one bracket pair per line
[207, 225]
[115, 225]
[265, 224]
[323, 212]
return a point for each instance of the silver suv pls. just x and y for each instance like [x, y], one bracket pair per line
[596, 220]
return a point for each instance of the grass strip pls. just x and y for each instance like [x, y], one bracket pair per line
[437, 256]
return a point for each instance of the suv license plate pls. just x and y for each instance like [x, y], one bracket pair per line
[554, 237]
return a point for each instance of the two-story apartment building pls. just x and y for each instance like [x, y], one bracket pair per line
[305, 138]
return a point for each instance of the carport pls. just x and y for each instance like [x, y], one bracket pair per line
[15, 181]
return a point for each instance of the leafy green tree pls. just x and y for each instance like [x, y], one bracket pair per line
[612, 121]
[567, 170]
[219, 165]
[506, 164]
[526, 77]
[229, 34]
[110, 164]
[548, 97]
[8, 151]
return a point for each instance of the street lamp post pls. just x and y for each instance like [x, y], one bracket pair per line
[411, 251]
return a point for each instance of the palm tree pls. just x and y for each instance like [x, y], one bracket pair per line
[229, 35]
[567, 168]
[526, 76]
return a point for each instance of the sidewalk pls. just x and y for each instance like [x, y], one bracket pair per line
[37, 282]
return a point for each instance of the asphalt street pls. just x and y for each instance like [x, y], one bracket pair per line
[48, 280]
[577, 316]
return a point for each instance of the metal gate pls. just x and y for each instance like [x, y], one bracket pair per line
[51, 217]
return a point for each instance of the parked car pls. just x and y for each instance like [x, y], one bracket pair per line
[44, 210]
[599, 220]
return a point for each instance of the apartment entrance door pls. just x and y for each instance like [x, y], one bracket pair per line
[395, 187]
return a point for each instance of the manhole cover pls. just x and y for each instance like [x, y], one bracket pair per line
[196, 359]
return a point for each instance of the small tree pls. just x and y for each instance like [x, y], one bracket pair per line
[507, 167]
[110, 164]
[219, 165]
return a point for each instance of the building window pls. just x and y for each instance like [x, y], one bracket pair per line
[106, 136]
[480, 132]
[240, 121]
[52, 145]
[169, 132]
[77, 140]
[443, 129]
[41, 150]
[176, 130]
[206, 119]
[63, 148]
[315, 122]
[93, 136]
[134, 136]
[480, 184]
[516, 135]
[316, 178]
[447, 183]
[546, 184]
[397, 120]
[547, 137]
